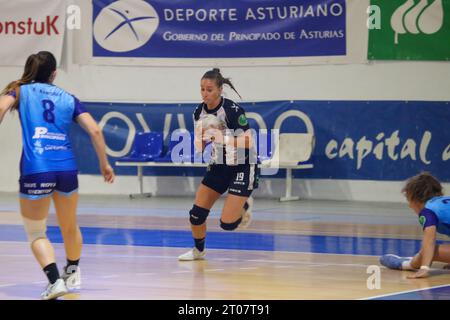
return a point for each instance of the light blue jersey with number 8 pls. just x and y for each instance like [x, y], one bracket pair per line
[46, 114]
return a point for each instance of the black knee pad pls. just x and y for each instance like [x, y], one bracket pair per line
[197, 215]
[230, 226]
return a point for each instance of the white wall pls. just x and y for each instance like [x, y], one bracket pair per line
[373, 81]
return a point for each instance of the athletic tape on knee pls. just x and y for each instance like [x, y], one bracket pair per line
[230, 226]
[198, 215]
[35, 229]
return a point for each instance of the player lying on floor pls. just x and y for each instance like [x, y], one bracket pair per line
[425, 197]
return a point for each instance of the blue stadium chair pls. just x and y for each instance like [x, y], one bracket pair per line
[147, 146]
[180, 149]
[180, 142]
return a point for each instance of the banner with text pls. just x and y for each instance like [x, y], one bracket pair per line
[226, 29]
[219, 29]
[376, 140]
[410, 30]
[27, 27]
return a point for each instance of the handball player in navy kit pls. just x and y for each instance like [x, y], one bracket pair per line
[233, 165]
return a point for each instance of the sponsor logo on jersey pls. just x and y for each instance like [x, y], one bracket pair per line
[242, 120]
[422, 220]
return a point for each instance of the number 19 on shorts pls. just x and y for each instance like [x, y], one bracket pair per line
[240, 176]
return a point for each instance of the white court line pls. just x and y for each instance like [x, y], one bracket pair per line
[283, 267]
[110, 276]
[403, 292]
[224, 259]
[8, 285]
[145, 274]
[249, 268]
[187, 271]
[106, 255]
[213, 270]
[213, 249]
[307, 264]
[387, 236]
[324, 264]
[40, 282]
[17, 255]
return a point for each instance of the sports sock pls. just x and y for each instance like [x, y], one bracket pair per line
[406, 265]
[52, 273]
[200, 244]
[71, 266]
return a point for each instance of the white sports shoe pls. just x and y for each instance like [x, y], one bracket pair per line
[247, 215]
[55, 290]
[73, 279]
[192, 255]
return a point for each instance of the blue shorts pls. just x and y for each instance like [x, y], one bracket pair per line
[41, 185]
[239, 180]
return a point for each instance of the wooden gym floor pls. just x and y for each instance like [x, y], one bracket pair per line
[291, 251]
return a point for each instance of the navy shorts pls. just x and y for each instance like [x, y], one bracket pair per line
[239, 180]
[40, 185]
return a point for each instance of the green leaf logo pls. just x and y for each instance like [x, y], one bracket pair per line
[422, 220]
[242, 120]
[417, 17]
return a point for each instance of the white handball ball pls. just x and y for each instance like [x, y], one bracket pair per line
[209, 121]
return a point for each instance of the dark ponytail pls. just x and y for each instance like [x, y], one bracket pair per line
[38, 68]
[215, 75]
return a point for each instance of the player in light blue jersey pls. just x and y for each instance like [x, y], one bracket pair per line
[48, 170]
[425, 198]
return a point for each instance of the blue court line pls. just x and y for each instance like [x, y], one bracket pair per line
[230, 240]
[436, 293]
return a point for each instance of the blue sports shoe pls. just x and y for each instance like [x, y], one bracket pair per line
[392, 261]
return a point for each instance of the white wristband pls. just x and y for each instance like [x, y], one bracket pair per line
[424, 268]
